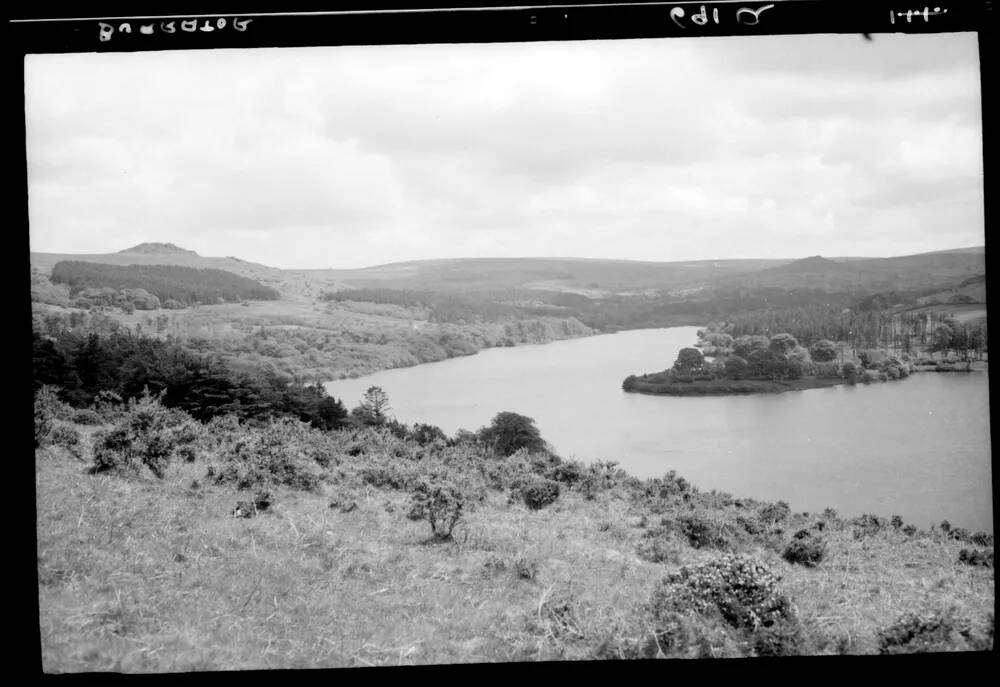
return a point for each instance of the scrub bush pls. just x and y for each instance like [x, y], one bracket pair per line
[976, 557]
[147, 434]
[276, 454]
[912, 633]
[538, 492]
[741, 589]
[441, 502]
[807, 551]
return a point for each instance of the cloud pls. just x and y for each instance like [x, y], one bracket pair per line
[644, 149]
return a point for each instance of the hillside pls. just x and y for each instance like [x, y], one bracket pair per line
[867, 275]
[341, 323]
[609, 276]
[327, 557]
[184, 285]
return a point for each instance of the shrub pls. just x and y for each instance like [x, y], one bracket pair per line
[704, 533]
[86, 416]
[896, 522]
[48, 408]
[566, 472]
[277, 453]
[849, 371]
[981, 539]
[807, 551]
[909, 530]
[976, 557]
[390, 475]
[67, 437]
[774, 513]
[425, 434]
[526, 568]
[781, 638]
[945, 526]
[146, 434]
[960, 534]
[912, 633]
[538, 492]
[867, 525]
[828, 370]
[441, 502]
[741, 589]
[751, 525]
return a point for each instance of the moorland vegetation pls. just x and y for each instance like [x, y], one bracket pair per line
[248, 536]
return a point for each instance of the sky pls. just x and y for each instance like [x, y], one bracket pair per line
[653, 149]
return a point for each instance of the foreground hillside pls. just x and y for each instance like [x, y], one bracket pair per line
[276, 546]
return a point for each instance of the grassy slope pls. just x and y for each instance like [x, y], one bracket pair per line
[143, 575]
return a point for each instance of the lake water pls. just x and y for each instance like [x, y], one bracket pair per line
[919, 447]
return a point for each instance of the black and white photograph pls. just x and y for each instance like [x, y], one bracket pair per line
[516, 351]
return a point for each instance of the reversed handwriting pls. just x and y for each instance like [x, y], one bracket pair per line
[926, 13]
[748, 16]
[106, 31]
[745, 14]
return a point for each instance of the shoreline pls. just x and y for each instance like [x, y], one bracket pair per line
[727, 387]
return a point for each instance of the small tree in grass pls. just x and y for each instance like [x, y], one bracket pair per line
[441, 502]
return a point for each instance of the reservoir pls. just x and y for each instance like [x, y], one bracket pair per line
[918, 447]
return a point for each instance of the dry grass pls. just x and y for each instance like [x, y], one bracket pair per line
[142, 575]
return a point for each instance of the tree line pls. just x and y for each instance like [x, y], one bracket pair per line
[185, 285]
[121, 365]
[885, 329]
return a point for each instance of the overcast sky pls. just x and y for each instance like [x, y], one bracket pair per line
[672, 149]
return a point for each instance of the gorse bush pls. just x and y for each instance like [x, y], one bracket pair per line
[538, 492]
[441, 502]
[783, 637]
[566, 472]
[808, 550]
[67, 437]
[282, 452]
[774, 513]
[912, 633]
[981, 539]
[867, 525]
[146, 434]
[741, 589]
[704, 532]
[976, 557]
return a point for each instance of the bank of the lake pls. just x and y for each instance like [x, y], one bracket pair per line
[919, 447]
[725, 387]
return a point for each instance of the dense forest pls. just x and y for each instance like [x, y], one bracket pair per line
[185, 285]
[118, 366]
